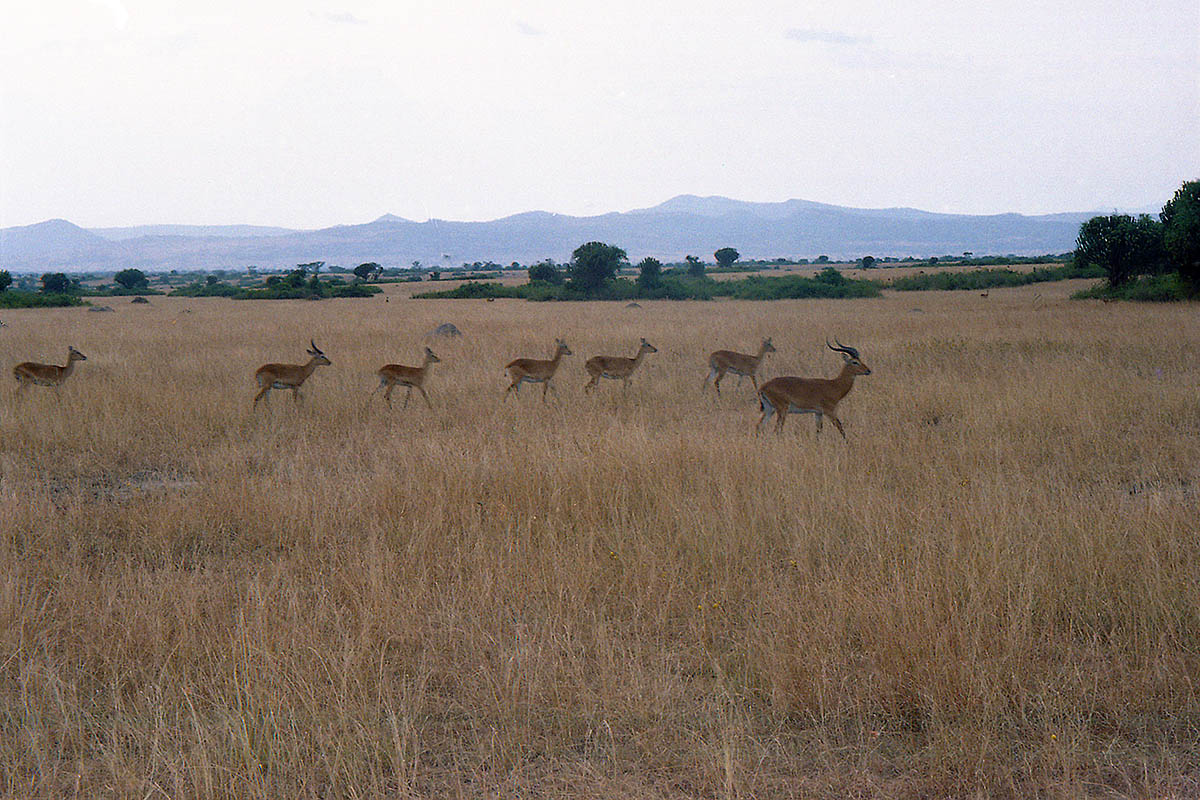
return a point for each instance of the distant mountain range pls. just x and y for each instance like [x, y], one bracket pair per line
[681, 226]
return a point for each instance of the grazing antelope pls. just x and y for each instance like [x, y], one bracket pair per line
[30, 372]
[615, 367]
[534, 370]
[393, 375]
[984, 293]
[818, 396]
[288, 376]
[739, 364]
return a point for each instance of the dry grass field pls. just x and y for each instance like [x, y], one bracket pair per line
[992, 589]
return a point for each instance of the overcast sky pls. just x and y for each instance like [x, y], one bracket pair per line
[308, 114]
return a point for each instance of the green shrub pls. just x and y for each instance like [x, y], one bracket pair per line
[991, 278]
[21, 299]
[1153, 289]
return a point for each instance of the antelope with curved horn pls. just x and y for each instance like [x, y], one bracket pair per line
[534, 370]
[819, 396]
[615, 367]
[393, 375]
[31, 372]
[740, 364]
[288, 376]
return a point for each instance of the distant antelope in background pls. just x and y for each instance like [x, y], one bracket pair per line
[615, 367]
[31, 372]
[818, 396]
[984, 293]
[393, 375]
[740, 364]
[534, 370]
[288, 376]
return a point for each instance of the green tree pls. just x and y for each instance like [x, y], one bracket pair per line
[364, 271]
[594, 263]
[547, 272]
[649, 273]
[1181, 231]
[56, 283]
[695, 267]
[1120, 245]
[868, 262]
[5, 280]
[822, 259]
[131, 279]
[726, 256]
[315, 266]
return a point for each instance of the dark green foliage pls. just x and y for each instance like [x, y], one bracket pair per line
[675, 287]
[546, 272]
[131, 279]
[1181, 232]
[788, 287]
[1122, 246]
[1155, 288]
[989, 278]
[56, 283]
[831, 276]
[868, 262]
[366, 270]
[5, 279]
[19, 299]
[593, 264]
[726, 256]
[649, 273]
[695, 267]
[279, 290]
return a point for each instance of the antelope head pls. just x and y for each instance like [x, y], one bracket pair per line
[316, 353]
[851, 357]
[767, 347]
[562, 347]
[647, 347]
[75, 355]
[429, 356]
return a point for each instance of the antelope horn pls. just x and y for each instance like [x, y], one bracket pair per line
[314, 345]
[841, 348]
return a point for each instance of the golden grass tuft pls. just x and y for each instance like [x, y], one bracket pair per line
[990, 590]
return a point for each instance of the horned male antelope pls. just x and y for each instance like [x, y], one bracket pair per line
[393, 375]
[535, 370]
[739, 364]
[615, 367]
[818, 396]
[30, 372]
[288, 376]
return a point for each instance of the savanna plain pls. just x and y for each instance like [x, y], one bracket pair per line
[990, 589]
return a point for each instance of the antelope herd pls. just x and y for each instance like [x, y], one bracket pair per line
[777, 397]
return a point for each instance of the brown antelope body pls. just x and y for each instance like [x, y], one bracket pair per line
[740, 364]
[615, 367]
[820, 396]
[288, 376]
[393, 375]
[30, 372]
[535, 370]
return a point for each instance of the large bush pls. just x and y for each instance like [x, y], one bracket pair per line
[1122, 246]
[1181, 232]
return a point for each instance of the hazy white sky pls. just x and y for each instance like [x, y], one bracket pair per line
[307, 114]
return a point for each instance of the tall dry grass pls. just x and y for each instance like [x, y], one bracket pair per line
[990, 590]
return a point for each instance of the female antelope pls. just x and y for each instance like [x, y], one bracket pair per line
[288, 376]
[393, 375]
[616, 367]
[740, 364]
[534, 370]
[818, 396]
[31, 372]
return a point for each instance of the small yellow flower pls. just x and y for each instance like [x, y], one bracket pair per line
[1054, 737]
